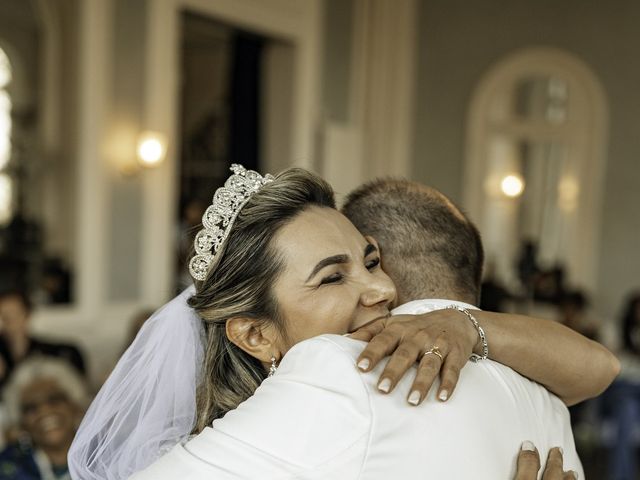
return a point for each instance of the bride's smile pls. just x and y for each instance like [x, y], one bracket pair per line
[331, 281]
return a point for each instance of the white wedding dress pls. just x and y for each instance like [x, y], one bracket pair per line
[320, 418]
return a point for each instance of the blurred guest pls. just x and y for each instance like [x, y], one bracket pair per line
[624, 395]
[631, 325]
[16, 343]
[527, 265]
[45, 399]
[493, 294]
[56, 281]
[21, 247]
[572, 309]
[549, 285]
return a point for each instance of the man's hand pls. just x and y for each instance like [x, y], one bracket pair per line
[529, 464]
[447, 334]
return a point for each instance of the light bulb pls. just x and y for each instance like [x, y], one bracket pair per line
[151, 149]
[512, 186]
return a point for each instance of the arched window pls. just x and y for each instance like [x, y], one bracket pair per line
[538, 121]
[5, 139]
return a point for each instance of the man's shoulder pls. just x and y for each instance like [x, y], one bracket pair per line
[327, 362]
[508, 379]
[315, 392]
[331, 341]
[330, 361]
[324, 355]
[339, 348]
[515, 389]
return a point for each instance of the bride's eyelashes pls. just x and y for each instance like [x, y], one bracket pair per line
[373, 263]
[339, 277]
[332, 279]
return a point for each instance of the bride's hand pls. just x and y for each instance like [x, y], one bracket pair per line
[529, 464]
[441, 341]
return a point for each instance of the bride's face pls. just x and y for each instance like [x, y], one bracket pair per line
[332, 281]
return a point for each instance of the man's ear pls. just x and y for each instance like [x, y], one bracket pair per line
[254, 337]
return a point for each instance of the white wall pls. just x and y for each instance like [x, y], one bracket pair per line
[128, 82]
[460, 40]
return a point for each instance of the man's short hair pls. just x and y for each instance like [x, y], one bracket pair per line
[428, 245]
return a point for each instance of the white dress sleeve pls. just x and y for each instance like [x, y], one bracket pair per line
[311, 420]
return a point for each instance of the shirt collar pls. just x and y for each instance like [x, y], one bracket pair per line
[425, 305]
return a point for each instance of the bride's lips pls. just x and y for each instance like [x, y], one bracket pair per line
[386, 315]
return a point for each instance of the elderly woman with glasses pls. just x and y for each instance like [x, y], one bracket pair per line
[44, 400]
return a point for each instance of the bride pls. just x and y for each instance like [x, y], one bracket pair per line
[258, 293]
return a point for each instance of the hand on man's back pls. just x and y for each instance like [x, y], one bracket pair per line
[441, 342]
[529, 464]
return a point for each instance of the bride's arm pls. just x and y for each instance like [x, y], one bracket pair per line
[565, 362]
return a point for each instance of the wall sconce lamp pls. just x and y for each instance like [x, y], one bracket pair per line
[512, 186]
[152, 148]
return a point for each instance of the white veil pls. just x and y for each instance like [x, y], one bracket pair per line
[148, 403]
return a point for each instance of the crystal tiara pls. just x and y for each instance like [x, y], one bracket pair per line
[219, 217]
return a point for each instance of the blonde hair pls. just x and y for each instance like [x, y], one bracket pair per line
[239, 284]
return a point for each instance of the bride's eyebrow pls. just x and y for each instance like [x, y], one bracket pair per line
[336, 259]
[339, 259]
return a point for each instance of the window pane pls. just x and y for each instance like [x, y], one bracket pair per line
[541, 98]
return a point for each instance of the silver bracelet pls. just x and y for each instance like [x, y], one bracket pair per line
[485, 347]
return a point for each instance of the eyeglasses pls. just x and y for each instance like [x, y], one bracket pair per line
[52, 399]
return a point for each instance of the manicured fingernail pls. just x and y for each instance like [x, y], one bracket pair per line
[443, 395]
[527, 445]
[363, 364]
[414, 398]
[575, 474]
[385, 385]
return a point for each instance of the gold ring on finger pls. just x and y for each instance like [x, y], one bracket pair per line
[435, 351]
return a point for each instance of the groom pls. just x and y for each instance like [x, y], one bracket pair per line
[319, 398]
[434, 255]
[431, 250]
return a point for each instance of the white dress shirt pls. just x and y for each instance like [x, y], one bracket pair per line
[318, 417]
